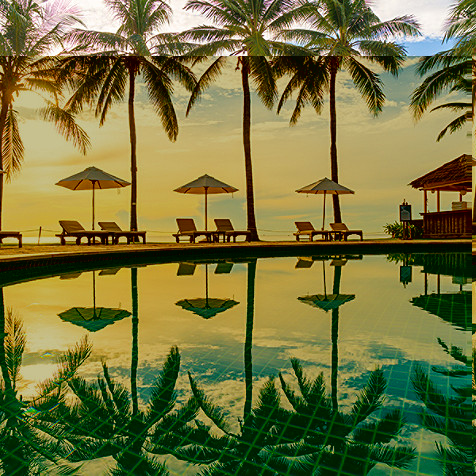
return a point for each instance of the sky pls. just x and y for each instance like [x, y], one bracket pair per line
[431, 14]
[377, 158]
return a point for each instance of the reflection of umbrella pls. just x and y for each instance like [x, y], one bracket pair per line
[327, 301]
[453, 308]
[206, 307]
[92, 179]
[206, 185]
[93, 318]
[325, 187]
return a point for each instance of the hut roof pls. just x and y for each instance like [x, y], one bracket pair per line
[455, 175]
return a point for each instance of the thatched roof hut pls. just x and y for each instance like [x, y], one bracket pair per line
[453, 176]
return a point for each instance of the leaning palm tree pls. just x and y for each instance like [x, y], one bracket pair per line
[451, 71]
[116, 61]
[29, 31]
[247, 29]
[340, 33]
[30, 441]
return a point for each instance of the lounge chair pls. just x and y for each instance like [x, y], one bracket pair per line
[187, 229]
[340, 230]
[305, 228]
[225, 229]
[117, 232]
[11, 234]
[74, 229]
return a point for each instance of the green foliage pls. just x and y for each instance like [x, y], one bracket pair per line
[396, 230]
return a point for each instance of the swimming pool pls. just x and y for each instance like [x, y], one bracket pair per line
[355, 364]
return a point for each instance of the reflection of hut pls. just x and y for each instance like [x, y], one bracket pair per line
[454, 176]
[454, 308]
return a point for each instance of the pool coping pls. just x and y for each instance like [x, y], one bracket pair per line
[22, 266]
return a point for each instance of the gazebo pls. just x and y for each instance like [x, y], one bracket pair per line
[454, 176]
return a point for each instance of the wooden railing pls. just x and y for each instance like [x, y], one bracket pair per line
[449, 224]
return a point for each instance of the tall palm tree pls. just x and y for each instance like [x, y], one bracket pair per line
[342, 31]
[247, 29]
[117, 60]
[452, 71]
[29, 32]
[31, 442]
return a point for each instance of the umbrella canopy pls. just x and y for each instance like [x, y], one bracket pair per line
[325, 187]
[206, 307]
[206, 185]
[92, 178]
[93, 318]
[327, 301]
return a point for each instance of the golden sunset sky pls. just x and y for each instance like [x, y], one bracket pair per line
[377, 157]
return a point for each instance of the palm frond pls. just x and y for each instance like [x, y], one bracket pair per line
[12, 147]
[215, 413]
[163, 396]
[66, 125]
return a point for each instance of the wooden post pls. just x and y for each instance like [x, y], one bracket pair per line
[425, 199]
[437, 200]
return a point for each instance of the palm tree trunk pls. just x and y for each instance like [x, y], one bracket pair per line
[133, 140]
[248, 357]
[334, 67]
[250, 201]
[335, 338]
[135, 341]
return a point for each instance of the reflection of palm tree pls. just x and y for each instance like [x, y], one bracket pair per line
[245, 452]
[30, 439]
[106, 423]
[449, 416]
[332, 442]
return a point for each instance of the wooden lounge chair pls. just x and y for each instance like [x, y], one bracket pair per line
[74, 229]
[188, 230]
[11, 234]
[117, 232]
[225, 229]
[305, 228]
[340, 230]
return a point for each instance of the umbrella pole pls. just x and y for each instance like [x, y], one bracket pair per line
[324, 211]
[324, 277]
[93, 204]
[206, 206]
[94, 295]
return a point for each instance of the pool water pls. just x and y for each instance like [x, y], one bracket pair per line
[329, 365]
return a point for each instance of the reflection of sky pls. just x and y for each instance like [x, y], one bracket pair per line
[379, 327]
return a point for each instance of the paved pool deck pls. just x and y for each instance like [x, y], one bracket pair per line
[38, 261]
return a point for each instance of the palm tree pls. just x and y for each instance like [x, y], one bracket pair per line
[451, 71]
[29, 32]
[331, 442]
[30, 440]
[340, 32]
[124, 57]
[247, 29]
